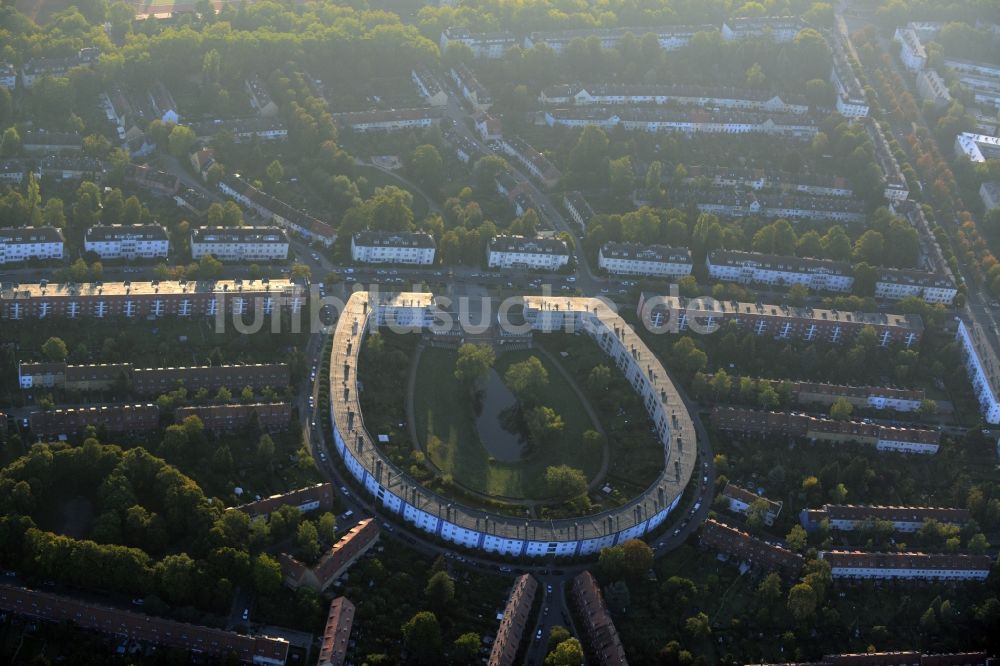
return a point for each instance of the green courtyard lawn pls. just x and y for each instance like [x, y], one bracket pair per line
[445, 422]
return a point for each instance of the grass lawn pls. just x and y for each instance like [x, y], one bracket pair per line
[444, 411]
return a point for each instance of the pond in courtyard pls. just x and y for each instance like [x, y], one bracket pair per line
[496, 398]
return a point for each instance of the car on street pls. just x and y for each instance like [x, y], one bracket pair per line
[538, 634]
[246, 614]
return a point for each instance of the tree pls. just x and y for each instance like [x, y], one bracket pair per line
[486, 170]
[621, 175]
[565, 481]
[869, 247]
[588, 161]
[698, 627]
[307, 541]
[301, 271]
[465, 649]
[275, 173]
[757, 514]
[637, 558]
[422, 638]
[798, 294]
[526, 380]
[770, 588]
[841, 410]
[802, 602]
[557, 634]
[180, 140]
[797, 538]
[53, 214]
[473, 363]
[265, 449]
[599, 379]
[440, 591]
[54, 349]
[10, 142]
[544, 425]
[687, 358]
[427, 166]
[326, 528]
[617, 596]
[266, 575]
[567, 653]
[755, 76]
[232, 215]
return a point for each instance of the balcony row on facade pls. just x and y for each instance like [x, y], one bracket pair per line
[149, 299]
[678, 314]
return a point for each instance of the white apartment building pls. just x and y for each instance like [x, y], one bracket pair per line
[850, 517]
[646, 260]
[392, 120]
[471, 89]
[240, 243]
[688, 122]
[533, 161]
[488, 127]
[706, 97]
[392, 247]
[546, 254]
[906, 566]
[490, 45]
[989, 193]
[779, 29]
[977, 147]
[277, 211]
[982, 367]
[851, 100]
[895, 284]
[30, 243]
[244, 129]
[911, 51]
[669, 38]
[753, 267]
[578, 208]
[932, 88]
[8, 76]
[12, 171]
[740, 500]
[428, 86]
[148, 241]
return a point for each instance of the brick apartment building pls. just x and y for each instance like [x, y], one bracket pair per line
[147, 299]
[310, 498]
[355, 543]
[126, 419]
[156, 381]
[45, 374]
[758, 554]
[507, 644]
[850, 517]
[795, 424]
[151, 381]
[777, 321]
[271, 416]
[907, 566]
[863, 397]
[126, 624]
[96, 376]
[600, 638]
[337, 633]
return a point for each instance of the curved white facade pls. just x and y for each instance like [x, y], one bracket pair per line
[482, 530]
